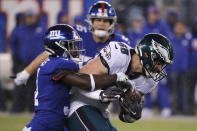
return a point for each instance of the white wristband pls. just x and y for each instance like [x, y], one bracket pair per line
[21, 78]
[121, 77]
[92, 82]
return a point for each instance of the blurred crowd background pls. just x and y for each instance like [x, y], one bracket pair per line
[23, 23]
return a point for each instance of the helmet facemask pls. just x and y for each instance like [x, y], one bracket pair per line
[153, 71]
[73, 49]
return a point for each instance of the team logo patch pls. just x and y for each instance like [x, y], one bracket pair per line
[161, 50]
[54, 34]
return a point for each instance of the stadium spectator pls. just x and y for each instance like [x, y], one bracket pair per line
[135, 34]
[26, 44]
[4, 94]
[189, 90]
[177, 76]
[78, 20]
[171, 18]
[20, 19]
[154, 24]
[2, 99]
[62, 17]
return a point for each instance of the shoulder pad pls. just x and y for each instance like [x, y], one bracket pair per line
[124, 39]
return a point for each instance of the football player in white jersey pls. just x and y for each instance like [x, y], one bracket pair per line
[144, 65]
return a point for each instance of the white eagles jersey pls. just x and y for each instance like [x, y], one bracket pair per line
[116, 56]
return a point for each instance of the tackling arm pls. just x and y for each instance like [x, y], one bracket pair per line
[85, 80]
[88, 81]
[23, 76]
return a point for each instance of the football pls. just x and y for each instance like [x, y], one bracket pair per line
[131, 95]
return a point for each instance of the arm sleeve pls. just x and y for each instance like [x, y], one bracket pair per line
[144, 85]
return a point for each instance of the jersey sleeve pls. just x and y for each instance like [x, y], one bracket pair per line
[116, 57]
[67, 64]
[125, 39]
[52, 65]
[145, 85]
[122, 38]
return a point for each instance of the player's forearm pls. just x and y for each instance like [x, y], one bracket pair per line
[104, 81]
[34, 65]
[23, 76]
[84, 81]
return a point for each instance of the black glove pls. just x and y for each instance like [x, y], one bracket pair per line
[125, 86]
[110, 94]
[131, 109]
[125, 116]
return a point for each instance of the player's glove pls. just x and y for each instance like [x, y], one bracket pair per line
[126, 116]
[131, 106]
[125, 86]
[121, 77]
[110, 94]
[21, 78]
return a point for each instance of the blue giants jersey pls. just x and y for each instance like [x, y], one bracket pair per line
[91, 46]
[52, 96]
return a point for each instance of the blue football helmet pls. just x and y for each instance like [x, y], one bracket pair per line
[152, 49]
[63, 40]
[104, 10]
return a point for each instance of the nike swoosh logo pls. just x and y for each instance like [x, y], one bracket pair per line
[134, 113]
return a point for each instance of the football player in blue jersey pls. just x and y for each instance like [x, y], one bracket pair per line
[52, 99]
[101, 19]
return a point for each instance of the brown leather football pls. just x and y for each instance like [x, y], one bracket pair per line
[131, 95]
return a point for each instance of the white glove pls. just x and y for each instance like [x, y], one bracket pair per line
[121, 77]
[21, 78]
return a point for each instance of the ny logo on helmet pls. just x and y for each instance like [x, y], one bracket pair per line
[54, 34]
